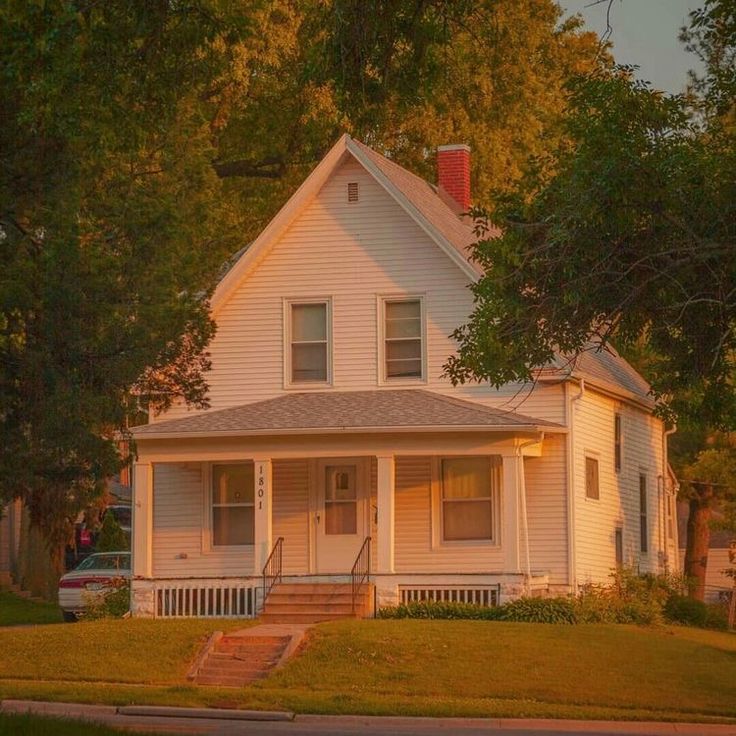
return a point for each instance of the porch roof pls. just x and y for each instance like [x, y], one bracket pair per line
[389, 410]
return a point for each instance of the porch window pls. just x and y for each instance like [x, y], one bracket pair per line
[403, 348]
[233, 519]
[467, 487]
[308, 338]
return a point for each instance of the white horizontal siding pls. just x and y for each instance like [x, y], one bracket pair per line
[178, 511]
[351, 253]
[618, 504]
[413, 528]
[291, 483]
[546, 496]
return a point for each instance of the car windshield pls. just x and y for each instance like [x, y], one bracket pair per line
[105, 562]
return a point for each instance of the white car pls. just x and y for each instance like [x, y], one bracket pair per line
[97, 573]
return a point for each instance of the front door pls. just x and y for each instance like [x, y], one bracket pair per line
[341, 515]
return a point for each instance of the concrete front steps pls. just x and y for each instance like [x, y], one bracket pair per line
[313, 602]
[236, 661]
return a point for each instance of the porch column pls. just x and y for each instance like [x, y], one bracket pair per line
[263, 536]
[385, 526]
[142, 524]
[512, 468]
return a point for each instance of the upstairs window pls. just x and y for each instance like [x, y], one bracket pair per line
[308, 343]
[403, 342]
[617, 442]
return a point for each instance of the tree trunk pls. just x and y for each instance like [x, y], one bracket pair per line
[698, 541]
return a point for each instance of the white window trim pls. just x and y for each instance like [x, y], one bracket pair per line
[438, 541]
[381, 300]
[208, 526]
[286, 348]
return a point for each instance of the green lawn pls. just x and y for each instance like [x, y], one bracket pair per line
[448, 668]
[15, 610]
[31, 725]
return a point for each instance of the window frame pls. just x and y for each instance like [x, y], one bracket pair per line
[288, 304]
[383, 378]
[644, 512]
[593, 458]
[210, 516]
[495, 465]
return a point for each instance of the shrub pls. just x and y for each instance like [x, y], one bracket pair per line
[441, 610]
[111, 603]
[112, 538]
[540, 611]
[680, 609]
[600, 604]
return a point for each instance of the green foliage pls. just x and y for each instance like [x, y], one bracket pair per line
[680, 609]
[112, 603]
[442, 610]
[540, 611]
[631, 240]
[112, 538]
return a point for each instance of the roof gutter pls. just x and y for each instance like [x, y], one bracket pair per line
[525, 428]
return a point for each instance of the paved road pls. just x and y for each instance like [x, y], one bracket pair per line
[306, 725]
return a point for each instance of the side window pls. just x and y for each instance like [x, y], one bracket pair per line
[618, 538]
[643, 521]
[233, 515]
[403, 339]
[592, 487]
[308, 348]
[618, 441]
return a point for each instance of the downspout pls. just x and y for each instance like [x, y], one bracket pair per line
[571, 550]
[521, 485]
[665, 473]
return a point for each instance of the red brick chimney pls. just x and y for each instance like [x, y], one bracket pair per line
[453, 173]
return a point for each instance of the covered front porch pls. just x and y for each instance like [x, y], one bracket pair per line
[439, 513]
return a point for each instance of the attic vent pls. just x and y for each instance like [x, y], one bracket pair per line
[353, 191]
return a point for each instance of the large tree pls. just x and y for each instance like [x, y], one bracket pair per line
[144, 141]
[630, 239]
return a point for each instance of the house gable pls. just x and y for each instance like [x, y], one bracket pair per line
[400, 185]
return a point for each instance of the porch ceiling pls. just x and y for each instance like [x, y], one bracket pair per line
[349, 411]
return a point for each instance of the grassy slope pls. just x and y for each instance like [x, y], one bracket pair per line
[27, 725]
[395, 667]
[15, 610]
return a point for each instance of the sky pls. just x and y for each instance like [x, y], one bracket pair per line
[645, 33]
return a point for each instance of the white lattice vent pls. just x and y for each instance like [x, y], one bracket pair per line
[478, 595]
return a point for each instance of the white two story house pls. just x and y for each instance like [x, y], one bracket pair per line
[334, 442]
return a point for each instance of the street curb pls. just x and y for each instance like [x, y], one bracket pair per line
[225, 714]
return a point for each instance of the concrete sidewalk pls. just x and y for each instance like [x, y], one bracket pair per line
[218, 722]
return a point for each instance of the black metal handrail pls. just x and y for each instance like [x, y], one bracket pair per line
[361, 571]
[272, 568]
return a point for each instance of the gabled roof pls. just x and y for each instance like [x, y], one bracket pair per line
[422, 202]
[391, 410]
[436, 213]
[606, 369]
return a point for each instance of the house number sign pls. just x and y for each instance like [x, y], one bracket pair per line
[261, 485]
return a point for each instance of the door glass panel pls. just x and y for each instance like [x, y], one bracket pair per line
[341, 500]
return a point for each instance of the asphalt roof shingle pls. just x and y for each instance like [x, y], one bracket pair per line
[350, 410]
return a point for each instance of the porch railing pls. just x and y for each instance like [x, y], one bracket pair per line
[272, 568]
[360, 574]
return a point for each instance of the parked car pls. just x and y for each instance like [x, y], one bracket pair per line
[95, 574]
